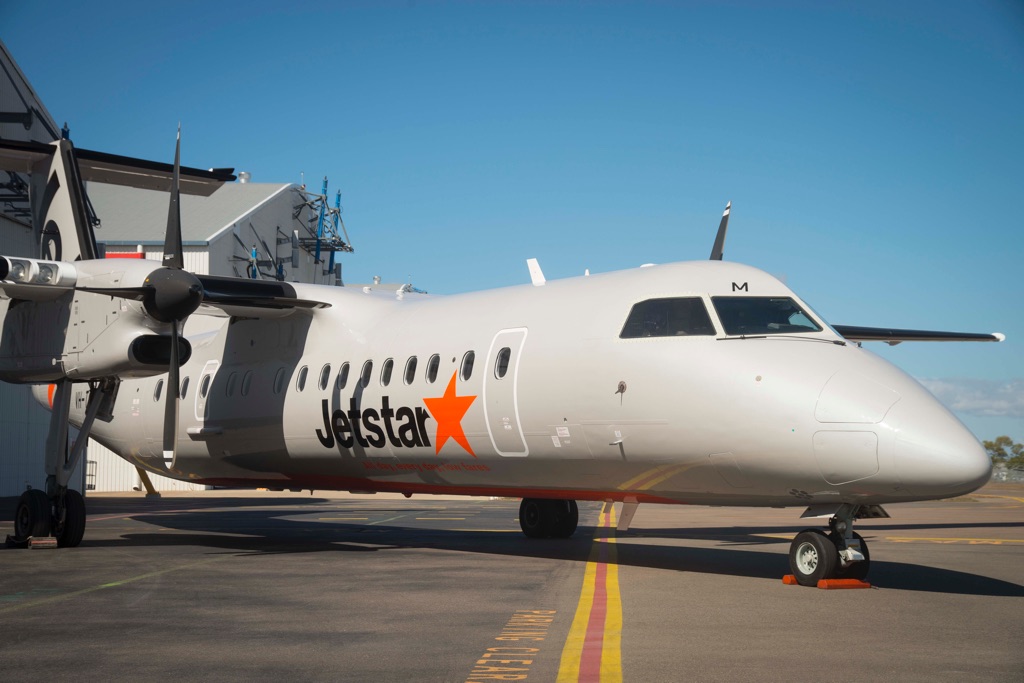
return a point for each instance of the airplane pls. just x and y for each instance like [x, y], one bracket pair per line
[702, 382]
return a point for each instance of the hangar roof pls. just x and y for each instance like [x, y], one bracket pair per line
[133, 216]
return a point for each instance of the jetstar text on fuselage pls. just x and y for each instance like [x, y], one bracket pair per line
[403, 427]
[369, 427]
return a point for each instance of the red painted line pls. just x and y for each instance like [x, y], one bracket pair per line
[593, 642]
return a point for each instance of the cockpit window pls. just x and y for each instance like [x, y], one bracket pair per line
[762, 315]
[668, 318]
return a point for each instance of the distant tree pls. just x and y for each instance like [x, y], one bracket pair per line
[1004, 451]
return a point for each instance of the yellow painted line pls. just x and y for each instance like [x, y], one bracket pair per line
[787, 537]
[112, 584]
[600, 593]
[444, 519]
[939, 539]
[992, 495]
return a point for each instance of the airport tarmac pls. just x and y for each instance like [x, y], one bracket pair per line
[232, 586]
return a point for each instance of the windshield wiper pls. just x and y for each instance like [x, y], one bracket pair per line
[837, 342]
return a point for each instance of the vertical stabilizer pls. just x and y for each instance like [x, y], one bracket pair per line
[60, 219]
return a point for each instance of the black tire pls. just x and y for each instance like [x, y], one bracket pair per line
[70, 534]
[812, 557]
[566, 517]
[857, 570]
[33, 516]
[534, 518]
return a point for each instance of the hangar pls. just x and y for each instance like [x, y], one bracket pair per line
[243, 229]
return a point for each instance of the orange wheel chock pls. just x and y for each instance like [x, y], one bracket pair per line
[829, 584]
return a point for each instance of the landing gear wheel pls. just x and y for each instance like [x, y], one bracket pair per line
[565, 517]
[69, 533]
[533, 518]
[857, 570]
[33, 515]
[812, 557]
[542, 518]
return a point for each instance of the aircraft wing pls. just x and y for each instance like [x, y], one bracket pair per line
[113, 169]
[893, 337]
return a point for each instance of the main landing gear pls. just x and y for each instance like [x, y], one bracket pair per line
[543, 518]
[839, 553]
[58, 513]
[38, 516]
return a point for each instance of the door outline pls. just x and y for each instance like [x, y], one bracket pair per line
[497, 392]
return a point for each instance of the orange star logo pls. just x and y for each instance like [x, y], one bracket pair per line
[449, 410]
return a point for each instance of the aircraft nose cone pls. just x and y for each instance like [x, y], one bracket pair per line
[935, 454]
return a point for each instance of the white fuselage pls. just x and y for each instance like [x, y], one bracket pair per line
[562, 406]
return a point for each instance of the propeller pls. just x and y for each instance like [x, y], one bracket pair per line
[170, 295]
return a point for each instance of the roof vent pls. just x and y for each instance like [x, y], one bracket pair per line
[244, 176]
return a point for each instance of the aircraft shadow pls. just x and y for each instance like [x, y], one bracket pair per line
[264, 532]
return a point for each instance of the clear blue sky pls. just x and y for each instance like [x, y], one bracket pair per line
[874, 151]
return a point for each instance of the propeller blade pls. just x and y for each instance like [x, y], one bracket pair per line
[172, 240]
[717, 250]
[171, 399]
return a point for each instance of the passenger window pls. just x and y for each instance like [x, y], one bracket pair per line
[159, 390]
[364, 376]
[246, 383]
[279, 381]
[229, 389]
[343, 376]
[300, 383]
[432, 366]
[501, 364]
[325, 376]
[762, 315]
[184, 387]
[410, 370]
[467, 365]
[385, 372]
[204, 386]
[687, 316]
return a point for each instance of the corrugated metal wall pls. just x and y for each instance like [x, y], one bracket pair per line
[109, 472]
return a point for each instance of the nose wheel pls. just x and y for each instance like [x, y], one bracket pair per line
[839, 553]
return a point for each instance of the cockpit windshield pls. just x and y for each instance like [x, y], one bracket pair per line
[755, 315]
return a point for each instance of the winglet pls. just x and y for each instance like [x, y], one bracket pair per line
[716, 251]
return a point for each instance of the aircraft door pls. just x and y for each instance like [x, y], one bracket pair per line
[501, 409]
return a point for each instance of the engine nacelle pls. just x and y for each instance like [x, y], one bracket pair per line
[79, 321]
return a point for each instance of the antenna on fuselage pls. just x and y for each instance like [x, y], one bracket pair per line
[716, 251]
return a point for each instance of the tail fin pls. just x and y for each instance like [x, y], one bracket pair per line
[59, 210]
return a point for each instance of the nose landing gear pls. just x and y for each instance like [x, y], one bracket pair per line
[840, 553]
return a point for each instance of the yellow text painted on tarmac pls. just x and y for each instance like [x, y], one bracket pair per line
[512, 662]
[950, 541]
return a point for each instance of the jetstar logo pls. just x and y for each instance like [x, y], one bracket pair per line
[402, 427]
